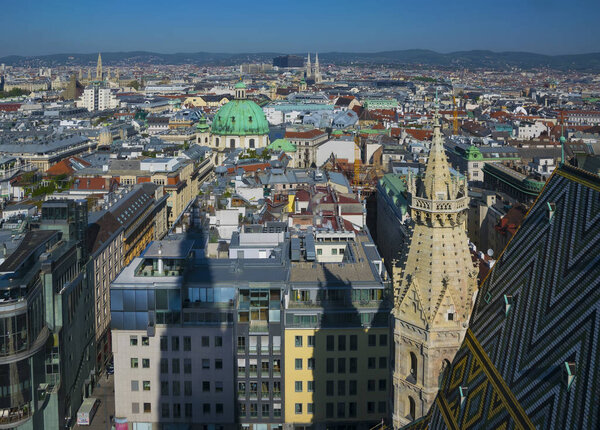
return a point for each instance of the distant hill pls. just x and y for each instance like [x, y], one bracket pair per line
[416, 57]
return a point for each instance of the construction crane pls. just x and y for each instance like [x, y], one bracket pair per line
[455, 114]
[357, 159]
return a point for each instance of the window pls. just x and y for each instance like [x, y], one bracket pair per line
[251, 145]
[310, 363]
[352, 409]
[330, 365]
[175, 343]
[341, 388]
[371, 385]
[176, 410]
[310, 408]
[310, 386]
[205, 386]
[188, 410]
[371, 363]
[353, 342]
[241, 389]
[187, 388]
[206, 408]
[372, 340]
[341, 365]
[176, 388]
[135, 385]
[135, 408]
[298, 386]
[353, 364]
[241, 344]
[253, 410]
[450, 316]
[334, 251]
[219, 408]
[187, 365]
[218, 386]
[218, 363]
[264, 389]
[352, 387]
[205, 341]
[298, 408]
[329, 388]
[298, 363]
[147, 408]
[264, 368]
[298, 340]
[163, 345]
[145, 341]
[341, 342]
[412, 407]
[371, 407]
[187, 343]
[164, 410]
[242, 407]
[311, 341]
[164, 365]
[277, 410]
[329, 410]
[133, 340]
[134, 363]
[330, 343]
[164, 388]
[383, 340]
[382, 362]
[206, 363]
[319, 251]
[218, 341]
[146, 363]
[381, 407]
[175, 365]
[232, 143]
[146, 385]
[382, 385]
[413, 365]
[341, 410]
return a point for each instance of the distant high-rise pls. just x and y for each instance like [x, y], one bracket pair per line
[288, 61]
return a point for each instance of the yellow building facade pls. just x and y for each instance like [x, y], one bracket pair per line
[337, 375]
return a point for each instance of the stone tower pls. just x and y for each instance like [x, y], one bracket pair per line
[99, 68]
[317, 72]
[308, 70]
[434, 289]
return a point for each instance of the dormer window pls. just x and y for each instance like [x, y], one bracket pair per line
[250, 119]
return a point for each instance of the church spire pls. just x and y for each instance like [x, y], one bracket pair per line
[99, 68]
[437, 181]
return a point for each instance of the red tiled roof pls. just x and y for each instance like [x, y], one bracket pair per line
[9, 107]
[65, 167]
[310, 134]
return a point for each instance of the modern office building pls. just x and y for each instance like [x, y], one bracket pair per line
[256, 328]
[47, 322]
[287, 61]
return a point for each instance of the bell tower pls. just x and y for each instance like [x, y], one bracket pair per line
[435, 286]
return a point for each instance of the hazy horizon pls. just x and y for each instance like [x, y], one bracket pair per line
[549, 27]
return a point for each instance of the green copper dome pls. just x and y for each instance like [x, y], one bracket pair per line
[240, 117]
[239, 85]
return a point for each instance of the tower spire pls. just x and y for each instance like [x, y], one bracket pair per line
[99, 68]
[437, 181]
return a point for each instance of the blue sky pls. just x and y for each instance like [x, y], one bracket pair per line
[34, 27]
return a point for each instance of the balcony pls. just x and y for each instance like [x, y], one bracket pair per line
[258, 327]
[449, 206]
[14, 417]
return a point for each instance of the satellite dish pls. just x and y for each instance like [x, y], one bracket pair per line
[490, 252]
